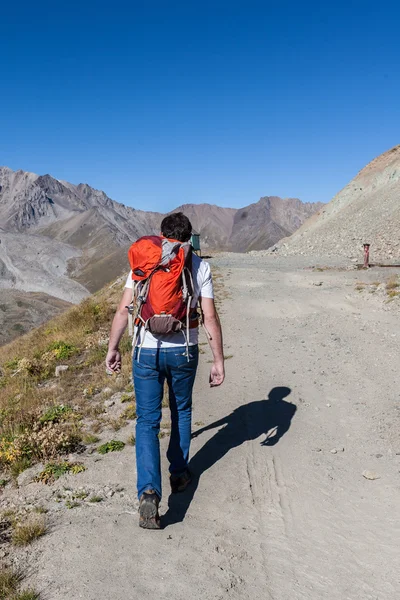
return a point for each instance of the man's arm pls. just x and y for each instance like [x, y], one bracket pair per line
[120, 321]
[213, 325]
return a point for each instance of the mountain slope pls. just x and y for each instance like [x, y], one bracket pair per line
[261, 225]
[64, 241]
[89, 220]
[366, 210]
[92, 225]
[214, 223]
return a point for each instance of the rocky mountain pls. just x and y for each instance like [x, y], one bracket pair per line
[367, 210]
[92, 225]
[261, 225]
[64, 241]
[214, 223]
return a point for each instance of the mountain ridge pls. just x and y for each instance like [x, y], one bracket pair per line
[56, 208]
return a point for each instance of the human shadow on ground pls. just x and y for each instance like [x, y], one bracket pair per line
[271, 417]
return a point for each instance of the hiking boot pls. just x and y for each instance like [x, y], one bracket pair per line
[148, 510]
[179, 483]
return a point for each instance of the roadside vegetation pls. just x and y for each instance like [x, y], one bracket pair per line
[390, 289]
[10, 586]
[53, 386]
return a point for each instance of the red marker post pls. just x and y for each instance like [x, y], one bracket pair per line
[366, 256]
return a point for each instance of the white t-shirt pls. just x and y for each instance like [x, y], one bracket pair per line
[203, 286]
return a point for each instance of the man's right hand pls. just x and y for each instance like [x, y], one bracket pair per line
[217, 374]
[113, 361]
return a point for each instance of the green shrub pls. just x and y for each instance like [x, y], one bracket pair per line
[95, 499]
[62, 350]
[130, 412]
[53, 471]
[55, 414]
[112, 446]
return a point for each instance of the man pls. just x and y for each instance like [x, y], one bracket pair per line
[160, 358]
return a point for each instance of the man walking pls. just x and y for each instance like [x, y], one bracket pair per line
[171, 357]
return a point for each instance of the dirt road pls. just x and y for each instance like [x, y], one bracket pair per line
[280, 508]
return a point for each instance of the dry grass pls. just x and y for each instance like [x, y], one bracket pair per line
[391, 287]
[393, 294]
[10, 582]
[41, 415]
[27, 595]
[392, 284]
[32, 529]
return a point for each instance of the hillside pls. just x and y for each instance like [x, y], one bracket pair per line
[261, 225]
[367, 210]
[214, 223]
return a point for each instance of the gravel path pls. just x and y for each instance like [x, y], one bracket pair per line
[282, 507]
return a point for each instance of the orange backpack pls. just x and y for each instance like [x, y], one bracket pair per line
[162, 289]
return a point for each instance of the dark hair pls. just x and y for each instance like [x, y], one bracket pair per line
[177, 226]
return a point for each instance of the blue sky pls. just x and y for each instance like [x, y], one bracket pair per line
[163, 103]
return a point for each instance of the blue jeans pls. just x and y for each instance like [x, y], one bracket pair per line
[149, 374]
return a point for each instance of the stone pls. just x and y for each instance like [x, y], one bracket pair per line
[29, 475]
[60, 369]
[371, 475]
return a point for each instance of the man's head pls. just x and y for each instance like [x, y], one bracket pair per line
[177, 227]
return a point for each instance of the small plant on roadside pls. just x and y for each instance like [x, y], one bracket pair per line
[95, 499]
[131, 441]
[12, 364]
[43, 441]
[112, 446]
[19, 466]
[40, 510]
[26, 595]
[25, 533]
[129, 413]
[56, 414]
[9, 582]
[126, 398]
[392, 284]
[71, 504]
[392, 294]
[81, 495]
[61, 350]
[89, 438]
[53, 471]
